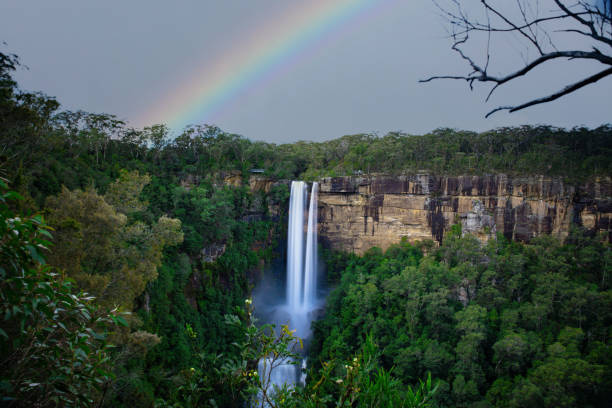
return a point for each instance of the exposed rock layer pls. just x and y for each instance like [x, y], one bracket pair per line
[357, 213]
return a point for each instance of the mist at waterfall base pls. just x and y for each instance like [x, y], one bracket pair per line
[290, 292]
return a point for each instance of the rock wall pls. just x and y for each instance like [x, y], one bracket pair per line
[357, 213]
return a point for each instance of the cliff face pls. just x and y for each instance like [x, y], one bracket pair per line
[357, 213]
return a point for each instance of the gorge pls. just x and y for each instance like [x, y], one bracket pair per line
[357, 213]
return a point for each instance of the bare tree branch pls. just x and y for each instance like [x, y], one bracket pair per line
[484, 77]
[536, 32]
[556, 95]
[514, 26]
[590, 24]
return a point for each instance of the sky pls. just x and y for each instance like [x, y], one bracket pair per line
[275, 70]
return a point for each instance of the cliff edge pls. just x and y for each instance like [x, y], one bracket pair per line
[359, 212]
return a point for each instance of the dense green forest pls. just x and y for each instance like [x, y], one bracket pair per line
[125, 230]
[108, 300]
[504, 324]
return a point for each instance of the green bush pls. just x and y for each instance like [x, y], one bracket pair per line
[53, 340]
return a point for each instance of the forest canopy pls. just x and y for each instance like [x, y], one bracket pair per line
[504, 324]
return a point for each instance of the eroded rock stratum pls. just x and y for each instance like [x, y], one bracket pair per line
[357, 213]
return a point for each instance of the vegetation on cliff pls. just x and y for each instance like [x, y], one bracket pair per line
[504, 324]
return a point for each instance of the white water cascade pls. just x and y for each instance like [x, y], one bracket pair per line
[302, 264]
[301, 289]
[310, 262]
[295, 246]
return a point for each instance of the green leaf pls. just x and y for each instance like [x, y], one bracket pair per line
[80, 354]
[46, 233]
[35, 255]
[13, 195]
[122, 321]
[85, 314]
[97, 335]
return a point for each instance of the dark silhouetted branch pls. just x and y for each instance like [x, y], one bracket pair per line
[568, 89]
[581, 19]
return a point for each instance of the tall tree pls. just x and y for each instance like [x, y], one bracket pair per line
[102, 247]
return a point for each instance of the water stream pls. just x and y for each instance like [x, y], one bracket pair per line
[301, 300]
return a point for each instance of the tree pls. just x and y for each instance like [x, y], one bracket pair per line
[548, 30]
[53, 340]
[24, 118]
[86, 239]
[99, 244]
[124, 193]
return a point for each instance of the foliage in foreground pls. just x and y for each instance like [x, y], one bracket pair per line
[53, 339]
[360, 382]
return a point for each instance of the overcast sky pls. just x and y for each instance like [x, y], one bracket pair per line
[126, 57]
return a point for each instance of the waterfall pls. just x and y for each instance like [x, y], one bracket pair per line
[276, 372]
[310, 263]
[301, 286]
[295, 246]
[302, 267]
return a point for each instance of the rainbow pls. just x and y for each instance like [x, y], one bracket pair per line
[272, 45]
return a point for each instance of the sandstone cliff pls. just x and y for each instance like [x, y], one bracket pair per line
[357, 213]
